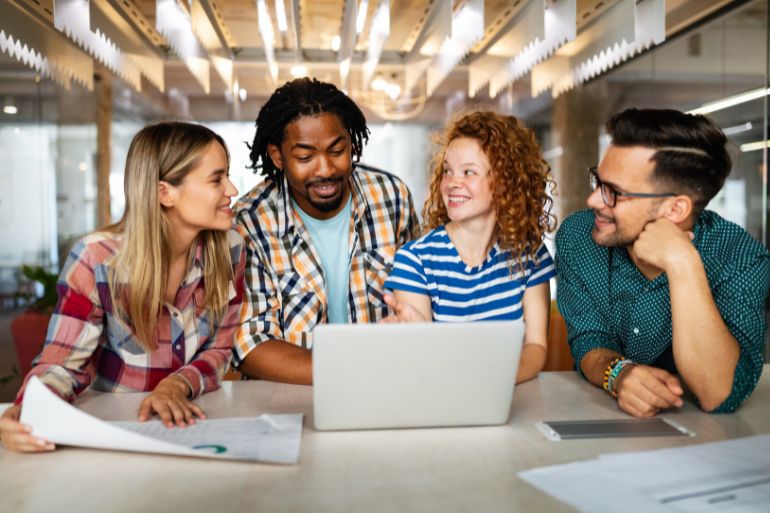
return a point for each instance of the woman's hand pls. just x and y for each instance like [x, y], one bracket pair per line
[170, 401]
[17, 436]
[404, 310]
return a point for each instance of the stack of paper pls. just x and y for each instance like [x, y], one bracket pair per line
[731, 476]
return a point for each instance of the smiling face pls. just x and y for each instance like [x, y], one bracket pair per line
[627, 169]
[202, 200]
[316, 157]
[465, 187]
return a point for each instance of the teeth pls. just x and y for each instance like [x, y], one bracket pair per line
[456, 199]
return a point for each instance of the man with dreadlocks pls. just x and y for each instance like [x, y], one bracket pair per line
[321, 230]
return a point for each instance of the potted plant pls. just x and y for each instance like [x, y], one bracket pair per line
[30, 327]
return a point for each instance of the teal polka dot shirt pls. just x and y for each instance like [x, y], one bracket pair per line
[608, 303]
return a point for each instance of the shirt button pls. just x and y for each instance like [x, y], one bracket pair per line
[176, 315]
[178, 347]
[636, 331]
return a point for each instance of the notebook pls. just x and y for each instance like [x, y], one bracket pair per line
[407, 375]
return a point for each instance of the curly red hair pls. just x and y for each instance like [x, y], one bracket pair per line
[519, 180]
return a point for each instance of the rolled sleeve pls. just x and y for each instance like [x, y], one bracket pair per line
[741, 299]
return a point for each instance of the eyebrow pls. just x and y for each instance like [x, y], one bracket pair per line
[304, 146]
[465, 164]
[615, 186]
[218, 172]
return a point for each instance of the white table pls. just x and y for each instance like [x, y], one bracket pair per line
[431, 470]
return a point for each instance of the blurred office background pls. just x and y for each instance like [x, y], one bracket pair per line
[79, 77]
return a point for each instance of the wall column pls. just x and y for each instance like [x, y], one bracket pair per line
[577, 119]
[103, 90]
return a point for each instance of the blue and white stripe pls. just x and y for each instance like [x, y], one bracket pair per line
[493, 290]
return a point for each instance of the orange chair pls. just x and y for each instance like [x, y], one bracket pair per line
[558, 356]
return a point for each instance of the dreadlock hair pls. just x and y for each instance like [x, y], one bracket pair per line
[293, 100]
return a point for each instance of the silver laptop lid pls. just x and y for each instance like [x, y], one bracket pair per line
[368, 376]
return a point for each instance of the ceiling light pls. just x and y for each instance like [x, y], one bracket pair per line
[379, 84]
[336, 41]
[379, 32]
[755, 146]
[731, 101]
[737, 129]
[298, 70]
[266, 33]
[280, 14]
[361, 18]
[10, 109]
[393, 90]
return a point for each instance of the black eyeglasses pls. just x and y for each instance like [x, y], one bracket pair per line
[610, 194]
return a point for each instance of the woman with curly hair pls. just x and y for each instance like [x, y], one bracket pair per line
[484, 257]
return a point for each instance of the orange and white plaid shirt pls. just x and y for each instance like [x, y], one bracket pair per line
[285, 296]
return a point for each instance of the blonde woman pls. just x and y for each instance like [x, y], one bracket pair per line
[151, 303]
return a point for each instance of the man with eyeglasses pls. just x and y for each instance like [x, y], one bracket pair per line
[659, 294]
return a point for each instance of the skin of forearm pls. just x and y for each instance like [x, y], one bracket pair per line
[595, 363]
[280, 361]
[531, 362]
[705, 351]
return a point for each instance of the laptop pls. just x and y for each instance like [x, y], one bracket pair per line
[407, 375]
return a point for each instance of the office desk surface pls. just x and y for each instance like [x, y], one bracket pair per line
[430, 470]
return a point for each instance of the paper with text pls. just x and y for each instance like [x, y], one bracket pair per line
[266, 438]
[728, 477]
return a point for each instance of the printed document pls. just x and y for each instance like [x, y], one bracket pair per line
[266, 438]
[728, 477]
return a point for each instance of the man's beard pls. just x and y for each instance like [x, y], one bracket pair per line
[326, 205]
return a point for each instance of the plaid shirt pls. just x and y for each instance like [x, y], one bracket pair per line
[87, 344]
[285, 287]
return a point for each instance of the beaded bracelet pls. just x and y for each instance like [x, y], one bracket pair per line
[607, 373]
[613, 377]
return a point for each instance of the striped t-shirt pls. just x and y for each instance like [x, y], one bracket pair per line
[493, 290]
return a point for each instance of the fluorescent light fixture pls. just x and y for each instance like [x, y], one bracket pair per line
[298, 70]
[10, 109]
[344, 71]
[348, 38]
[379, 32]
[265, 26]
[336, 41]
[393, 90]
[280, 14]
[361, 16]
[731, 101]
[755, 146]
[738, 129]
[379, 84]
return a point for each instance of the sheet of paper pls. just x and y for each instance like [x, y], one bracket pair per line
[729, 477]
[267, 438]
